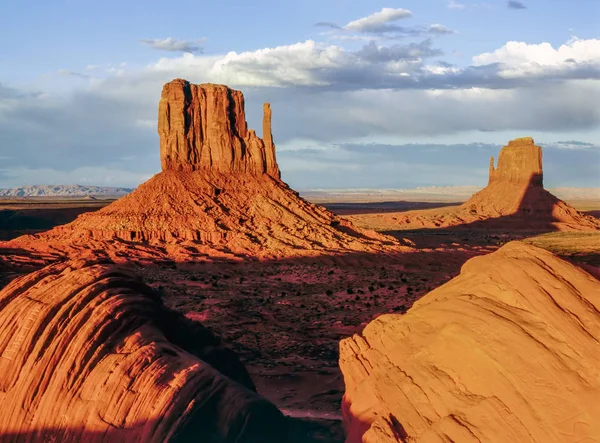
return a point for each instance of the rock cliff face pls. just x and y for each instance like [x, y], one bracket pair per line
[519, 163]
[220, 193]
[516, 190]
[514, 199]
[89, 353]
[203, 127]
[506, 351]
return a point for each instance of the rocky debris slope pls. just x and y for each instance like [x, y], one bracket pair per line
[507, 351]
[220, 192]
[514, 198]
[89, 353]
[241, 214]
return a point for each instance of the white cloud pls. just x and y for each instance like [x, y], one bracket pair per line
[69, 73]
[519, 60]
[319, 92]
[455, 5]
[174, 45]
[519, 53]
[379, 21]
[439, 29]
[297, 64]
[572, 145]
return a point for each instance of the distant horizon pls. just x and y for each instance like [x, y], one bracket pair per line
[331, 189]
[379, 95]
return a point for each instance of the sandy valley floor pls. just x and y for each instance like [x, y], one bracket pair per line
[285, 318]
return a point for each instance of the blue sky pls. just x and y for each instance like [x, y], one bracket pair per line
[435, 86]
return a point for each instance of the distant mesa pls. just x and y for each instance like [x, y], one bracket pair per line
[219, 194]
[88, 352]
[514, 199]
[505, 352]
[516, 194]
[519, 163]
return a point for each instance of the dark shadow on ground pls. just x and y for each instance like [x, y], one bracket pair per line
[534, 216]
[343, 208]
[291, 430]
[17, 222]
[284, 318]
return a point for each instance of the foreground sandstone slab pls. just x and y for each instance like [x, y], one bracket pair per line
[508, 351]
[89, 353]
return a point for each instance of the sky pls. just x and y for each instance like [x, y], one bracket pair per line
[397, 94]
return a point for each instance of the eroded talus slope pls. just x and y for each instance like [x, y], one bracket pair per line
[214, 214]
[89, 353]
[508, 351]
[219, 193]
[514, 199]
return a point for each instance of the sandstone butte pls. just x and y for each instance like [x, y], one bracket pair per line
[219, 194]
[514, 199]
[508, 351]
[89, 353]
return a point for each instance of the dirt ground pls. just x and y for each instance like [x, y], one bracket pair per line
[285, 318]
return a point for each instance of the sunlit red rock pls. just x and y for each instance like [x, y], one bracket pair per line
[203, 127]
[520, 162]
[89, 353]
[508, 351]
[219, 194]
[514, 199]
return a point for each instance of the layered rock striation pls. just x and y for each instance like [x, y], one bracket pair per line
[203, 127]
[219, 193]
[89, 353]
[507, 351]
[514, 199]
[520, 163]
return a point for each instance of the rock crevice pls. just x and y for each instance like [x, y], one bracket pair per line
[506, 351]
[90, 353]
[203, 127]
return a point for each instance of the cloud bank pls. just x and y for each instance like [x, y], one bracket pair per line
[324, 95]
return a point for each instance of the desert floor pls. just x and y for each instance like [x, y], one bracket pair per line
[285, 318]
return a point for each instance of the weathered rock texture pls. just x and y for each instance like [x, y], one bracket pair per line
[508, 351]
[89, 353]
[514, 199]
[520, 163]
[203, 127]
[219, 194]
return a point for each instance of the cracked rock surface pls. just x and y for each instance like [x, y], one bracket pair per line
[507, 351]
[89, 353]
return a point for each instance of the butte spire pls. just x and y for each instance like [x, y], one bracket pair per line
[219, 194]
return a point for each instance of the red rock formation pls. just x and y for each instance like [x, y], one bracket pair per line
[89, 353]
[203, 127]
[520, 163]
[220, 193]
[514, 199]
[505, 352]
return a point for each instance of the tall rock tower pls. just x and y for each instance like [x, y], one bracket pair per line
[520, 163]
[203, 127]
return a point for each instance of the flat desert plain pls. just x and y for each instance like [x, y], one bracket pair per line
[285, 318]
